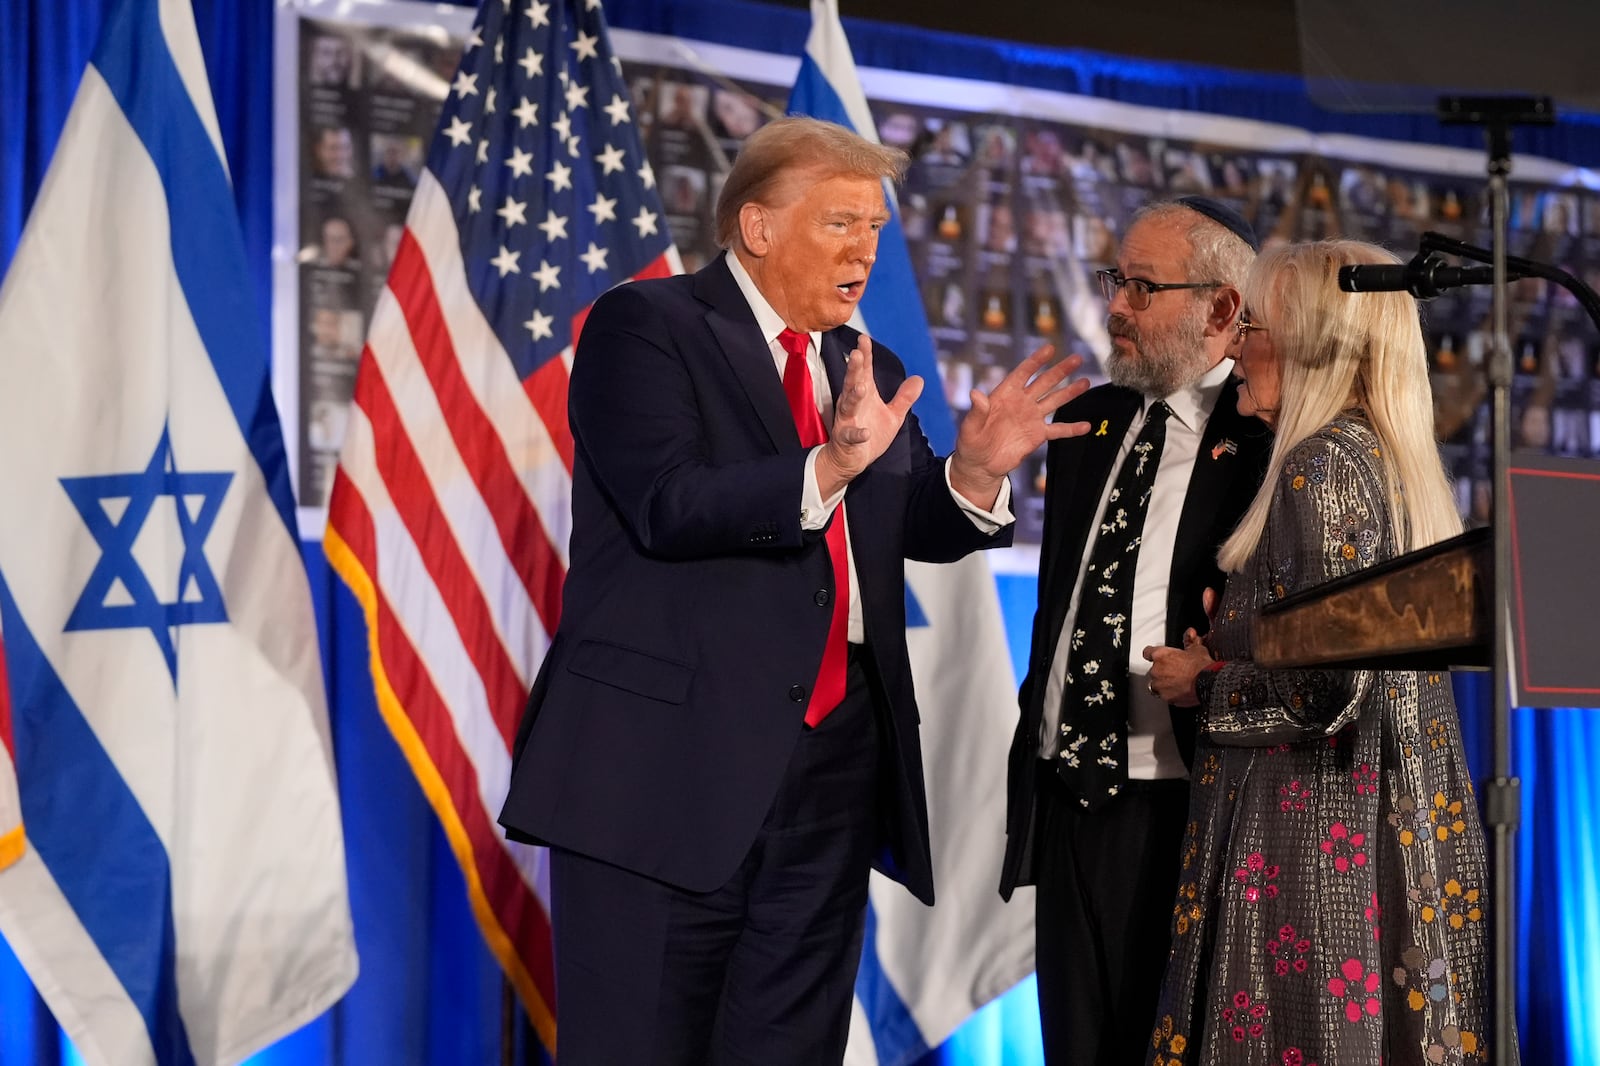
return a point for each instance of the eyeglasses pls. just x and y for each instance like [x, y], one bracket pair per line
[1245, 325]
[1139, 289]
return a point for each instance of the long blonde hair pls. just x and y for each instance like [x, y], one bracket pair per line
[1338, 351]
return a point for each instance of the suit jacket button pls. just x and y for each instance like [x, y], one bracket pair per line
[821, 598]
[797, 693]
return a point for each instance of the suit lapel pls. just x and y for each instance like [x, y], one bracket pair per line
[834, 345]
[1086, 462]
[733, 324]
[1223, 482]
[1222, 458]
[1226, 471]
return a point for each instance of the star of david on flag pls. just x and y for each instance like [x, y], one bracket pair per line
[119, 594]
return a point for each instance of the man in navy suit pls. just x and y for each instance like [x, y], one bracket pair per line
[1106, 865]
[722, 741]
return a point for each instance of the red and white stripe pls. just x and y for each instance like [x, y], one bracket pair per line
[449, 517]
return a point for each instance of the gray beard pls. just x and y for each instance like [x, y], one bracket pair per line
[1160, 364]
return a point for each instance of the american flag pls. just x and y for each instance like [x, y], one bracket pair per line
[449, 514]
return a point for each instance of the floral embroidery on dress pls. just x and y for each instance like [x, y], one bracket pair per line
[1426, 893]
[1425, 980]
[1409, 820]
[1344, 847]
[1457, 905]
[1355, 538]
[1257, 877]
[1453, 1038]
[1191, 845]
[1366, 779]
[1187, 911]
[1168, 1046]
[1446, 817]
[1358, 987]
[1246, 1018]
[1295, 796]
[1334, 868]
[1289, 952]
[1302, 472]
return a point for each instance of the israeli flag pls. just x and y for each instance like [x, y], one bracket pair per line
[924, 971]
[11, 836]
[178, 891]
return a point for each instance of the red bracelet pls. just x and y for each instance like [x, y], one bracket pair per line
[1216, 665]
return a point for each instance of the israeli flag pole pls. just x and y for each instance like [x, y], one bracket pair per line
[925, 971]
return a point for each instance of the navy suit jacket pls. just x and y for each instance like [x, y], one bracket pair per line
[696, 608]
[1221, 486]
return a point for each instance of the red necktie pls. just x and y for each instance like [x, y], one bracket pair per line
[829, 688]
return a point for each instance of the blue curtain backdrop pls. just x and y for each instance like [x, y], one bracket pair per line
[429, 992]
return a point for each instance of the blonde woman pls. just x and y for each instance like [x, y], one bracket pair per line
[1332, 907]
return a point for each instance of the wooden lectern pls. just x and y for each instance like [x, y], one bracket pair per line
[1425, 610]
[1429, 609]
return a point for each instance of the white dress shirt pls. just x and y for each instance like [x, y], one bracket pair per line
[1152, 748]
[814, 510]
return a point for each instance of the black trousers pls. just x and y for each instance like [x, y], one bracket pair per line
[760, 972]
[1106, 884]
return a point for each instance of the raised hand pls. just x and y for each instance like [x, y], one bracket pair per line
[863, 425]
[1007, 425]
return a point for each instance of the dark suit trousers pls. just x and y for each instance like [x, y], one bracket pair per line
[1107, 881]
[760, 972]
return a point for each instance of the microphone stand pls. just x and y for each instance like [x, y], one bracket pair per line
[1516, 267]
[1502, 793]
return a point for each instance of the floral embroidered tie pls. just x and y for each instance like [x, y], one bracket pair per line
[829, 687]
[1093, 752]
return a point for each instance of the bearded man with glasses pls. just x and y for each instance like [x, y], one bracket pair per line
[1134, 514]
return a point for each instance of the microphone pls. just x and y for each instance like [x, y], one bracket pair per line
[1424, 277]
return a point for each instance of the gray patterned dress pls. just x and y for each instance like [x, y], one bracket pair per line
[1332, 907]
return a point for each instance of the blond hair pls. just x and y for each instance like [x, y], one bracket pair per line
[1337, 351]
[774, 160]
